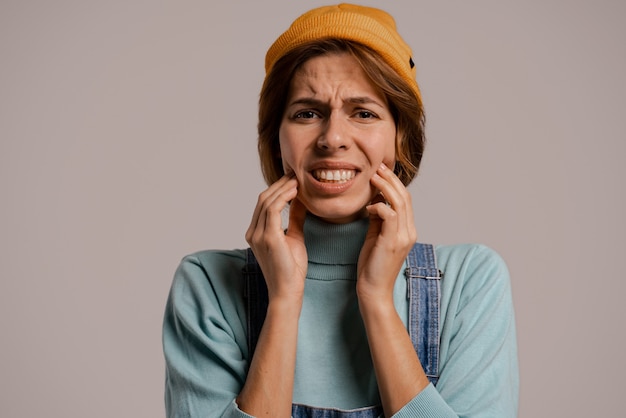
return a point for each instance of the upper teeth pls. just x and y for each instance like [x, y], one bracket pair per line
[334, 175]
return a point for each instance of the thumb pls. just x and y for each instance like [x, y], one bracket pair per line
[379, 198]
[297, 215]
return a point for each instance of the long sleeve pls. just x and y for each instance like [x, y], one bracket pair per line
[479, 375]
[206, 354]
[204, 338]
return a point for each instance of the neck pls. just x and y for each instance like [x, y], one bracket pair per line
[330, 243]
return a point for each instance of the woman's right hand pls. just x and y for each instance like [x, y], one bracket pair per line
[281, 255]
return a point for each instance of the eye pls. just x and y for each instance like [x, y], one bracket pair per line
[366, 114]
[305, 114]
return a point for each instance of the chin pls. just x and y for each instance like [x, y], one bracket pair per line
[337, 215]
[339, 208]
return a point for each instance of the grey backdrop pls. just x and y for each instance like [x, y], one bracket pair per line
[127, 139]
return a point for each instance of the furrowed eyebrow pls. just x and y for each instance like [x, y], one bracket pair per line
[308, 101]
[363, 100]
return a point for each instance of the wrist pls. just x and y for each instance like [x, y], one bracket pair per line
[285, 307]
[376, 303]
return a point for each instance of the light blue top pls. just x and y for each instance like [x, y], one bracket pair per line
[206, 353]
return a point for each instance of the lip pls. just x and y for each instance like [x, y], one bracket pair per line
[333, 165]
[332, 188]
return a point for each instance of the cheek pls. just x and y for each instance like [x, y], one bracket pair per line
[284, 149]
[389, 154]
[390, 157]
[288, 156]
[287, 162]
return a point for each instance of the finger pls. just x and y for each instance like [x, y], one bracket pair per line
[264, 196]
[394, 193]
[390, 186]
[275, 207]
[258, 221]
[399, 199]
[383, 220]
[375, 221]
[379, 198]
[297, 215]
[269, 206]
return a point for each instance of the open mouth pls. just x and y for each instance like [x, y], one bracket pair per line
[333, 176]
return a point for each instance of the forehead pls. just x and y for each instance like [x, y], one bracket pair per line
[329, 63]
[332, 73]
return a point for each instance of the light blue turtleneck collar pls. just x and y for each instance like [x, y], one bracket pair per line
[333, 249]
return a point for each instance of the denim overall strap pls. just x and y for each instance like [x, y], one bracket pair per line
[302, 411]
[256, 299]
[423, 292]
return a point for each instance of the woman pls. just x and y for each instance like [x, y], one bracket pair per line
[341, 314]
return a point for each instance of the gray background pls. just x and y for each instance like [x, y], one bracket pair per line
[127, 139]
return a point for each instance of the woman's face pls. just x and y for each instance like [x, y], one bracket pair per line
[336, 131]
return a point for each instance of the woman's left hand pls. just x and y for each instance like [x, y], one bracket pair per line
[390, 237]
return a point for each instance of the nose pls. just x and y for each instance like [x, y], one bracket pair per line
[335, 135]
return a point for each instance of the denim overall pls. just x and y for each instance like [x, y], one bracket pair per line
[423, 289]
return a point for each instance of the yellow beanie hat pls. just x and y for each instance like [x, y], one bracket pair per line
[369, 26]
